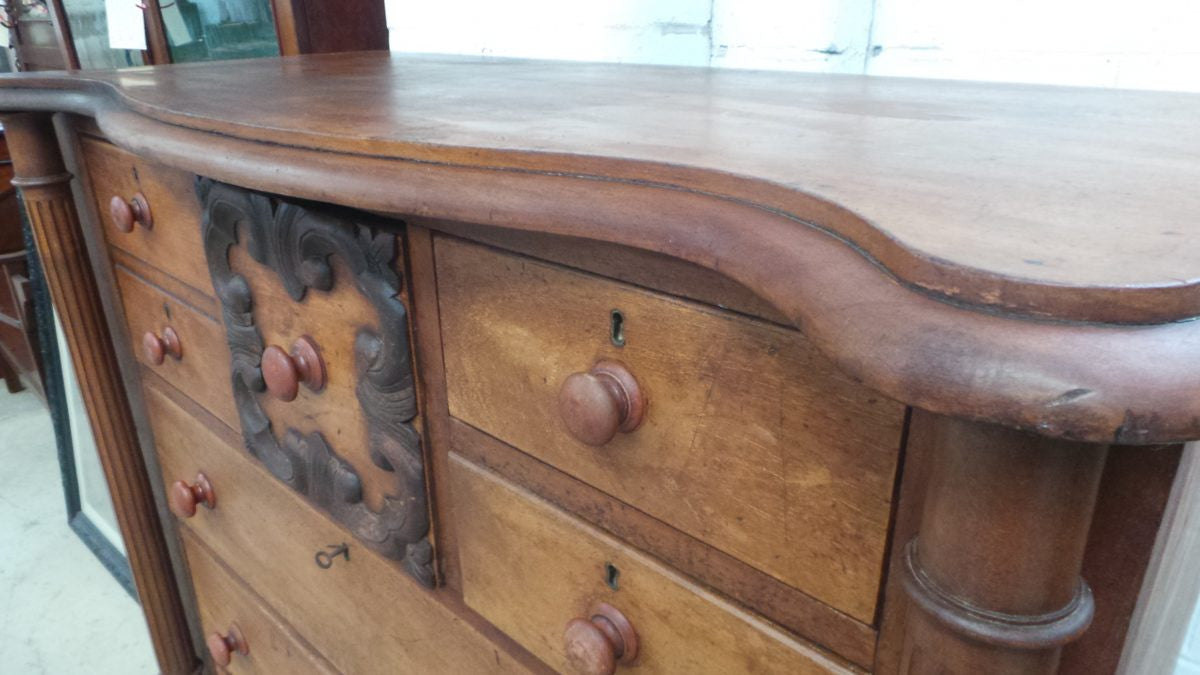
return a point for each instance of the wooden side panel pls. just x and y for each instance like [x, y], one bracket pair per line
[530, 568]
[1134, 493]
[224, 600]
[201, 371]
[752, 442]
[364, 614]
[173, 243]
[43, 179]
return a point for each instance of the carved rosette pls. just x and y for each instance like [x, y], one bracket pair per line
[298, 243]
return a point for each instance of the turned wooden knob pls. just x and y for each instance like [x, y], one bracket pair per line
[597, 404]
[222, 647]
[284, 372]
[126, 213]
[158, 347]
[597, 644]
[183, 498]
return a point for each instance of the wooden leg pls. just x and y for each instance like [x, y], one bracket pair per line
[45, 185]
[993, 574]
[9, 374]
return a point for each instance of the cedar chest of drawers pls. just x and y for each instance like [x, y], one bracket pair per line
[459, 376]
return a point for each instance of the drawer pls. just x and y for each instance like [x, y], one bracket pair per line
[531, 569]
[172, 243]
[364, 614]
[229, 609]
[202, 366]
[751, 441]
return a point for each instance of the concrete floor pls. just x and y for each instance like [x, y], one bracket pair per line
[61, 612]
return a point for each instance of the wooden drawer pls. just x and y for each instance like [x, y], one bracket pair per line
[531, 568]
[202, 369]
[224, 601]
[364, 614]
[751, 442]
[173, 242]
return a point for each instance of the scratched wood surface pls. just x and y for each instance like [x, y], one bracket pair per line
[946, 183]
[752, 442]
[530, 568]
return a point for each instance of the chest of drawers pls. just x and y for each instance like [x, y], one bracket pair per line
[667, 371]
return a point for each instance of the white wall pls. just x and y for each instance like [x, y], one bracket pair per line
[1149, 44]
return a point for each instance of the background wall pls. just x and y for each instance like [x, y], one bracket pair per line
[1149, 44]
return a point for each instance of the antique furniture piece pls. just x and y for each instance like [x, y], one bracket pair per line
[20, 357]
[448, 365]
[73, 34]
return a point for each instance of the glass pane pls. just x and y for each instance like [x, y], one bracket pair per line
[89, 32]
[210, 30]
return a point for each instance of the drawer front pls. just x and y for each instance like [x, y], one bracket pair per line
[751, 441]
[531, 569]
[199, 364]
[226, 605]
[172, 242]
[364, 614]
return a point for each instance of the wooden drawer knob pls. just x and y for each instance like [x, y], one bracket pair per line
[597, 404]
[222, 647]
[183, 498]
[158, 347]
[284, 372]
[596, 645]
[126, 213]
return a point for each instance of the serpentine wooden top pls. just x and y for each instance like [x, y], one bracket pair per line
[1054, 232]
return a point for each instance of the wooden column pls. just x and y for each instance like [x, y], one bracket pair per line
[993, 574]
[45, 186]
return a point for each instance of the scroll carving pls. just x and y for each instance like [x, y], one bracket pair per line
[298, 243]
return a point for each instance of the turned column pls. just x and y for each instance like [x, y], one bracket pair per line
[45, 186]
[993, 573]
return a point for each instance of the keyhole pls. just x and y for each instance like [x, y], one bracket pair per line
[618, 328]
[611, 574]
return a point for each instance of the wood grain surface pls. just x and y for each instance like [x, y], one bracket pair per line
[755, 590]
[223, 600]
[752, 442]
[811, 191]
[927, 168]
[44, 182]
[365, 615]
[173, 243]
[201, 369]
[530, 568]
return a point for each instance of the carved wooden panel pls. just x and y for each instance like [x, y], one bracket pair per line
[300, 245]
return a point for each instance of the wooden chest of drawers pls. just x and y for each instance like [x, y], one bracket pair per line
[419, 401]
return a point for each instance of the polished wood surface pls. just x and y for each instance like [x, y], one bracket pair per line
[43, 180]
[597, 404]
[772, 389]
[799, 462]
[926, 216]
[183, 497]
[200, 342]
[812, 238]
[284, 372]
[784, 605]
[327, 26]
[272, 646]
[531, 569]
[149, 211]
[1006, 598]
[364, 616]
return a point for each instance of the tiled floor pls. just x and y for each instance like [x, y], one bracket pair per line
[61, 612]
[1189, 660]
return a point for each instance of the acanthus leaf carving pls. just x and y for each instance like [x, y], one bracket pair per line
[298, 243]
